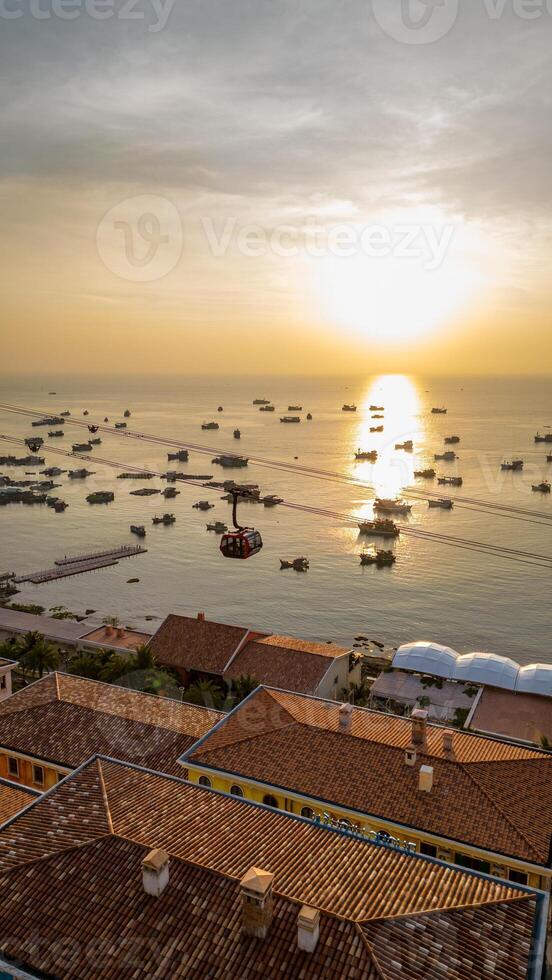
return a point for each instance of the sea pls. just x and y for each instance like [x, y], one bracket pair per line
[441, 587]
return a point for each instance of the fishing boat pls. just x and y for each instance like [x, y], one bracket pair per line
[230, 462]
[96, 442]
[165, 519]
[261, 401]
[543, 487]
[48, 420]
[449, 456]
[220, 409]
[203, 505]
[392, 506]
[445, 503]
[52, 471]
[450, 481]
[427, 474]
[290, 418]
[144, 492]
[219, 527]
[138, 529]
[181, 455]
[377, 408]
[81, 447]
[120, 425]
[381, 528]
[547, 437]
[376, 428]
[515, 464]
[348, 408]
[237, 434]
[309, 417]
[376, 416]
[299, 564]
[379, 558]
[408, 446]
[452, 440]
[170, 492]
[267, 408]
[60, 506]
[65, 414]
[101, 497]
[369, 454]
[271, 500]
[58, 434]
[439, 411]
[295, 408]
[210, 425]
[86, 412]
[79, 474]
[126, 413]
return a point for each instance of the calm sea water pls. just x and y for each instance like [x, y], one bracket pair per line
[468, 600]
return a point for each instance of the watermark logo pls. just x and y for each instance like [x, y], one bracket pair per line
[154, 13]
[141, 238]
[416, 21]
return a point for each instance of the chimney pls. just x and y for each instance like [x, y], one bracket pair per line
[256, 902]
[410, 756]
[419, 726]
[308, 929]
[345, 712]
[201, 617]
[448, 744]
[426, 779]
[155, 872]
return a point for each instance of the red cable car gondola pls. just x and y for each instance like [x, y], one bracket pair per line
[93, 429]
[244, 541]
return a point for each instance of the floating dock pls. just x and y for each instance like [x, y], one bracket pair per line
[78, 564]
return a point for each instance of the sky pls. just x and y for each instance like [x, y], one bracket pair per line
[271, 186]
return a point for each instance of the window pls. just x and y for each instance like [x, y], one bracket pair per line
[307, 812]
[236, 790]
[13, 766]
[519, 877]
[204, 781]
[465, 861]
[38, 775]
[270, 800]
[3, 682]
[288, 804]
[428, 849]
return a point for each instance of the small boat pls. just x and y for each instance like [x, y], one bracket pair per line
[219, 527]
[348, 408]
[52, 471]
[309, 417]
[60, 506]
[126, 413]
[299, 564]
[295, 408]
[203, 505]
[58, 434]
[450, 481]
[106, 419]
[452, 440]
[445, 503]
[220, 409]
[79, 474]
[144, 492]
[261, 401]
[165, 519]
[120, 425]
[210, 425]
[267, 408]
[439, 411]
[65, 414]
[427, 474]
[381, 528]
[52, 392]
[377, 408]
[392, 506]
[547, 437]
[290, 418]
[170, 492]
[86, 412]
[376, 428]
[369, 454]
[82, 447]
[101, 497]
[408, 446]
[515, 464]
[230, 462]
[237, 434]
[379, 558]
[181, 455]
[449, 456]
[543, 487]
[96, 442]
[138, 529]
[271, 500]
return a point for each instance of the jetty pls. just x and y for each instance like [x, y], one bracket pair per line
[76, 565]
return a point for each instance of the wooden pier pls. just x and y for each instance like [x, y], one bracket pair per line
[79, 564]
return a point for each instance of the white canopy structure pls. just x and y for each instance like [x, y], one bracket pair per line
[424, 657]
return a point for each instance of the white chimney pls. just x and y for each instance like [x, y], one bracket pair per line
[345, 713]
[448, 744]
[419, 726]
[308, 929]
[155, 872]
[256, 902]
[410, 756]
[426, 779]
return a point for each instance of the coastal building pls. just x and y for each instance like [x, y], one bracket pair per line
[473, 801]
[120, 872]
[13, 798]
[200, 648]
[6, 667]
[52, 726]
[70, 634]
[524, 717]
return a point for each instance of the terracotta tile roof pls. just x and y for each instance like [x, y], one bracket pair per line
[330, 650]
[281, 666]
[13, 798]
[524, 716]
[65, 719]
[491, 794]
[70, 875]
[195, 644]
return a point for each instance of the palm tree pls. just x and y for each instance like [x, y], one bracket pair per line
[244, 685]
[37, 655]
[205, 693]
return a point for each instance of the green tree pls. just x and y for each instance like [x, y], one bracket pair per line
[145, 659]
[242, 686]
[10, 649]
[206, 693]
[37, 655]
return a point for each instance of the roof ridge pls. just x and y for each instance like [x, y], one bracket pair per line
[105, 796]
[247, 738]
[446, 909]
[56, 679]
[503, 814]
[371, 952]
[43, 858]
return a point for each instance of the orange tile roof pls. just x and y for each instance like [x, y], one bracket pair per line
[70, 872]
[65, 719]
[281, 666]
[196, 644]
[13, 798]
[524, 716]
[490, 794]
[330, 650]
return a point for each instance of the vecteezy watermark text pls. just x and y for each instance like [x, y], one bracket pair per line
[427, 21]
[155, 12]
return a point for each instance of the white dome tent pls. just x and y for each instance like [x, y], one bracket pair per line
[535, 679]
[487, 668]
[424, 657]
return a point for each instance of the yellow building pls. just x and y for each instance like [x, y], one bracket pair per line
[481, 803]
